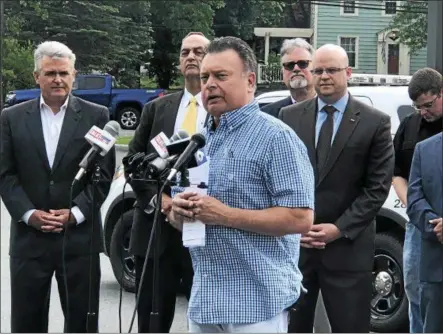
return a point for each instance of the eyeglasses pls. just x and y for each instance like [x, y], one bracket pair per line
[328, 70]
[290, 65]
[426, 105]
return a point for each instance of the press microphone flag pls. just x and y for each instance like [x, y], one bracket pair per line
[101, 140]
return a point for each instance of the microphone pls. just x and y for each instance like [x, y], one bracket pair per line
[197, 141]
[102, 141]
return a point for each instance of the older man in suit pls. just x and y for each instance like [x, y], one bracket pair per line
[296, 61]
[351, 150]
[425, 207]
[42, 146]
[178, 111]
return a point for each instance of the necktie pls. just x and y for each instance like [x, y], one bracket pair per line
[325, 138]
[189, 123]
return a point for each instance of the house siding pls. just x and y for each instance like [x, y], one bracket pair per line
[366, 26]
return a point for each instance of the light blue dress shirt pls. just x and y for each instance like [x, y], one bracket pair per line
[340, 105]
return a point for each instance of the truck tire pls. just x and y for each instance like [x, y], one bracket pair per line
[122, 261]
[129, 118]
[389, 304]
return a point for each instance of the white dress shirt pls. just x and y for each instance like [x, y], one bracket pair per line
[201, 112]
[52, 125]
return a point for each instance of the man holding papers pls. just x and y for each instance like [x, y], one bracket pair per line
[260, 197]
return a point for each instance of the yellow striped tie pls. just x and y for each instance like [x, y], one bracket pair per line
[189, 124]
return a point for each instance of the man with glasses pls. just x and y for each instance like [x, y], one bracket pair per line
[425, 90]
[350, 147]
[296, 58]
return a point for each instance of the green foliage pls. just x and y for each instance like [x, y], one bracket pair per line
[18, 64]
[412, 25]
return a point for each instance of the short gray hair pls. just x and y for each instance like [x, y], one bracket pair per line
[290, 44]
[52, 49]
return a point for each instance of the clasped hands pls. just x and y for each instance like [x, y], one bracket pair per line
[438, 229]
[190, 206]
[53, 221]
[320, 235]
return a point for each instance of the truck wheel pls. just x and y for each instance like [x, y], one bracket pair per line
[389, 304]
[129, 118]
[122, 261]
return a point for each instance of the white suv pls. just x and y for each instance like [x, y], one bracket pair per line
[389, 303]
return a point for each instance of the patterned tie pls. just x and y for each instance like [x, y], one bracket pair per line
[189, 123]
[325, 138]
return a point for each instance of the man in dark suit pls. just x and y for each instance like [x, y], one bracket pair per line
[178, 111]
[42, 146]
[350, 148]
[296, 59]
[425, 208]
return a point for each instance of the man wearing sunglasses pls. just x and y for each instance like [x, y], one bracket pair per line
[296, 58]
[425, 90]
[350, 147]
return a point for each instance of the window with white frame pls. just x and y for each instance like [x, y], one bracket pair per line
[390, 7]
[348, 7]
[350, 46]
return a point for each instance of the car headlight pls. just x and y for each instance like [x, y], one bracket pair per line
[119, 172]
[10, 96]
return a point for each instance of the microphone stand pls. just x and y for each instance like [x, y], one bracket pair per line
[91, 320]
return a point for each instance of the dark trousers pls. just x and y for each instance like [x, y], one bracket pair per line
[175, 266]
[31, 290]
[346, 296]
[431, 306]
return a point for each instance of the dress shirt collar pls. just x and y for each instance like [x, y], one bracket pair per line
[187, 98]
[340, 105]
[235, 118]
[62, 108]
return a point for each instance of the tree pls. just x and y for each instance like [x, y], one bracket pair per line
[170, 23]
[411, 24]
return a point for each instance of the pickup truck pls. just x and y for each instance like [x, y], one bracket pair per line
[125, 105]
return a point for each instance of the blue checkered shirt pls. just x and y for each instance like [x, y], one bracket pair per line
[257, 162]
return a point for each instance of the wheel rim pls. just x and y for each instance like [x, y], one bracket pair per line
[129, 119]
[128, 259]
[388, 290]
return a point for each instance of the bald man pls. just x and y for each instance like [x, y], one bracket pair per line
[177, 111]
[351, 150]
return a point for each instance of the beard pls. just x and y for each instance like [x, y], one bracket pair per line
[298, 82]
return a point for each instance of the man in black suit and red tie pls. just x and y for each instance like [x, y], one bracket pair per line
[42, 144]
[177, 111]
[296, 60]
[351, 150]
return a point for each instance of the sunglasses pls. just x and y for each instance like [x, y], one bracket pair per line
[290, 65]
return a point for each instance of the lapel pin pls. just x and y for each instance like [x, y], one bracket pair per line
[352, 120]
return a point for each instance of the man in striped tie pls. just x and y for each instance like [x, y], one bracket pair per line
[169, 114]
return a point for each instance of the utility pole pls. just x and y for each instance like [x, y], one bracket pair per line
[2, 34]
[435, 55]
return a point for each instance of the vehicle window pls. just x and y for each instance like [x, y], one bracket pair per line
[404, 111]
[91, 83]
[78, 82]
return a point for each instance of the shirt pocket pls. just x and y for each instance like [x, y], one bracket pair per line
[241, 175]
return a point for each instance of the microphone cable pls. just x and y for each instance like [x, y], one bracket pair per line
[123, 268]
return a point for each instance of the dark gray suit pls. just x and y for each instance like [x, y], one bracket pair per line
[350, 191]
[274, 108]
[27, 182]
[425, 202]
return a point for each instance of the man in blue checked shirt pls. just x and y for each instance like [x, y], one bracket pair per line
[260, 199]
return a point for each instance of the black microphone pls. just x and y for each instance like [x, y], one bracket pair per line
[102, 141]
[197, 142]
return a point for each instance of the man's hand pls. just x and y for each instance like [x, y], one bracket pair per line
[181, 209]
[62, 216]
[320, 235]
[438, 229]
[44, 221]
[166, 204]
[209, 210]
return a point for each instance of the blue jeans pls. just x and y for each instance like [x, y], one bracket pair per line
[411, 258]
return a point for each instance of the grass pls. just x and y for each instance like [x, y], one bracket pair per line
[123, 140]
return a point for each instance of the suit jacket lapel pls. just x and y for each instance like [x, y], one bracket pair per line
[170, 113]
[70, 123]
[439, 161]
[306, 129]
[347, 125]
[34, 124]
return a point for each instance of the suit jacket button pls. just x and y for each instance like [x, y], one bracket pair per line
[51, 182]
